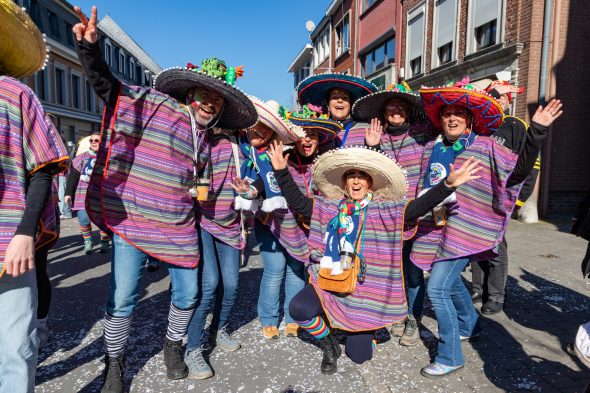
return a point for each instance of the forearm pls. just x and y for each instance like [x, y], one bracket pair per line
[526, 160]
[37, 196]
[72, 183]
[299, 203]
[418, 207]
[105, 84]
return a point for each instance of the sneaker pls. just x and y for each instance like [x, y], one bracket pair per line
[411, 334]
[473, 337]
[291, 330]
[173, 359]
[104, 246]
[397, 329]
[492, 307]
[224, 340]
[476, 297]
[87, 246]
[197, 366]
[270, 332]
[437, 370]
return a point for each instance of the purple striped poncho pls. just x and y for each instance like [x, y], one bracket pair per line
[380, 300]
[28, 142]
[79, 162]
[140, 183]
[477, 221]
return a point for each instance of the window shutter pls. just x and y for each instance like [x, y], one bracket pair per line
[446, 20]
[485, 11]
[416, 30]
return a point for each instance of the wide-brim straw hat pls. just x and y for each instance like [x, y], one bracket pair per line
[389, 180]
[372, 106]
[238, 111]
[326, 129]
[486, 111]
[315, 89]
[22, 46]
[268, 114]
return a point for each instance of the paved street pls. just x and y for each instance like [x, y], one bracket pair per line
[521, 350]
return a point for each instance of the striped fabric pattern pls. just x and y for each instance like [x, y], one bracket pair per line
[49, 222]
[144, 169]
[316, 327]
[28, 141]
[286, 228]
[79, 162]
[380, 300]
[218, 216]
[477, 221]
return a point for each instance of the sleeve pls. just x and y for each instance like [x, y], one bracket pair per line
[72, 183]
[528, 154]
[299, 203]
[423, 204]
[105, 84]
[38, 193]
[529, 183]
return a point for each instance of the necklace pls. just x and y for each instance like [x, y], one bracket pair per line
[302, 174]
[396, 154]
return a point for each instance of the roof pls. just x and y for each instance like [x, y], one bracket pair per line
[305, 53]
[112, 30]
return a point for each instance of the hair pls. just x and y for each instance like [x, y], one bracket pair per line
[369, 177]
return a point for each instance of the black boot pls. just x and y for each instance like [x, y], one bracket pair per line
[175, 366]
[113, 374]
[332, 352]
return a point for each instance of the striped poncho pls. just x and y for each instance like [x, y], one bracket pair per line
[28, 142]
[380, 300]
[79, 162]
[140, 183]
[477, 221]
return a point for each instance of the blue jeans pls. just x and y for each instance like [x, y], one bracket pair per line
[18, 333]
[277, 264]
[64, 208]
[453, 308]
[127, 267]
[83, 218]
[415, 286]
[220, 264]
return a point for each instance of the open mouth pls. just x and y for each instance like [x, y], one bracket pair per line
[356, 188]
[206, 111]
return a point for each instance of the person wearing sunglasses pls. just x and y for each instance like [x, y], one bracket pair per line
[75, 195]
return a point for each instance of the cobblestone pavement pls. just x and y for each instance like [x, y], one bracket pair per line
[521, 349]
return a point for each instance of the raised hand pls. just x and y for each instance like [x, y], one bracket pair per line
[20, 256]
[241, 186]
[464, 174]
[373, 133]
[546, 116]
[87, 27]
[275, 151]
[505, 89]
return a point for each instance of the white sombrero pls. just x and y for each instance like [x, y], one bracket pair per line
[389, 180]
[269, 115]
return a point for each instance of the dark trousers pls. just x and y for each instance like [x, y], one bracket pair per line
[489, 277]
[306, 305]
[43, 283]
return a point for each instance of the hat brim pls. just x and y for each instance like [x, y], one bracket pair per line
[326, 129]
[238, 111]
[22, 46]
[286, 132]
[316, 88]
[487, 112]
[371, 106]
[389, 181]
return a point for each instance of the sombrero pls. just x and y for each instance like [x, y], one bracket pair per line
[371, 106]
[22, 46]
[238, 111]
[497, 83]
[316, 88]
[310, 117]
[487, 112]
[269, 114]
[389, 180]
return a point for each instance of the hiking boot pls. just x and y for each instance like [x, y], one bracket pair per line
[411, 334]
[332, 352]
[492, 307]
[291, 330]
[197, 366]
[270, 332]
[104, 246]
[397, 329]
[437, 370]
[175, 366]
[224, 340]
[87, 246]
[113, 374]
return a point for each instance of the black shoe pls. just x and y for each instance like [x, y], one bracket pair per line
[476, 297]
[175, 366]
[491, 307]
[332, 352]
[113, 374]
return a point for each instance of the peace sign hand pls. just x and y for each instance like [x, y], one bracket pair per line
[87, 27]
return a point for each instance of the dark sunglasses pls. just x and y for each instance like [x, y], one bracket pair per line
[94, 140]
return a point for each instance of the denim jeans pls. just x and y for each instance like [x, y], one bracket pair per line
[218, 281]
[453, 308]
[83, 218]
[64, 208]
[18, 333]
[415, 286]
[127, 267]
[277, 264]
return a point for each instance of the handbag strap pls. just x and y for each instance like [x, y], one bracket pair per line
[236, 157]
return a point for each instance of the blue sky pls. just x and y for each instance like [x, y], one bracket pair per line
[262, 35]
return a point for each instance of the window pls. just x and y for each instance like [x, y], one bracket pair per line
[131, 69]
[445, 12]
[122, 62]
[89, 97]
[379, 82]
[137, 74]
[40, 85]
[415, 40]
[60, 86]
[69, 34]
[343, 36]
[36, 14]
[76, 93]
[485, 35]
[54, 29]
[485, 21]
[108, 54]
[368, 3]
[322, 46]
[378, 58]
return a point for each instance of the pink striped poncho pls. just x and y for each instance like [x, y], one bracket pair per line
[79, 162]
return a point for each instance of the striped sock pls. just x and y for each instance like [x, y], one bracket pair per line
[316, 327]
[116, 332]
[374, 344]
[178, 321]
[86, 231]
[104, 237]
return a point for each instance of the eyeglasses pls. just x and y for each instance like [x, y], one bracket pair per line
[94, 140]
[457, 113]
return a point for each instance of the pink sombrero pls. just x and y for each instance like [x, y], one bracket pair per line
[269, 114]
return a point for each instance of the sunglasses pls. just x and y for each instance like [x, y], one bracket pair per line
[458, 113]
[94, 140]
